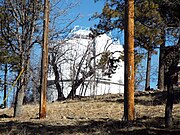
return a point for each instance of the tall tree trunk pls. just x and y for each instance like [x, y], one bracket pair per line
[22, 53]
[148, 71]
[44, 62]
[19, 97]
[26, 75]
[57, 77]
[23, 82]
[5, 84]
[19, 101]
[169, 103]
[35, 92]
[161, 66]
[58, 87]
[171, 79]
[172, 58]
[129, 112]
[36, 86]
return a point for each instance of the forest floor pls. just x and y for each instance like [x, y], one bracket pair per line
[102, 115]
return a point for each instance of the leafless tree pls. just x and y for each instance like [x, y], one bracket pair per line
[72, 60]
[59, 30]
[20, 33]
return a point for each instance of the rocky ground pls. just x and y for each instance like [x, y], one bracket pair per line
[100, 115]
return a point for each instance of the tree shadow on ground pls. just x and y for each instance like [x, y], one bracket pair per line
[148, 99]
[158, 98]
[5, 116]
[142, 126]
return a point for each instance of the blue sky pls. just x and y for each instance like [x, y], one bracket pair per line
[86, 9]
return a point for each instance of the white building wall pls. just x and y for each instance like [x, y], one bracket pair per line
[78, 45]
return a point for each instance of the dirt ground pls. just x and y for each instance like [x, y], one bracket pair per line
[87, 116]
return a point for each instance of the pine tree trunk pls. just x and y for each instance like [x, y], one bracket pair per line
[19, 102]
[129, 112]
[20, 91]
[5, 84]
[148, 71]
[44, 61]
[161, 67]
[169, 104]
[35, 100]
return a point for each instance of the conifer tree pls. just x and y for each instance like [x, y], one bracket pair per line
[169, 10]
[148, 24]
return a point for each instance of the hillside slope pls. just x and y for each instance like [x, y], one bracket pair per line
[102, 115]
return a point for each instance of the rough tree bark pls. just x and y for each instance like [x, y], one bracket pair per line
[161, 66]
[172, 59]
[169, 103]
[23, 82]
[20, 91]
[5, 83]
[57, 76]
[148, 71]
[44, 61]
[129, 112]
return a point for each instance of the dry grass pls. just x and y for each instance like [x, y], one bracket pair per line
[102, 115]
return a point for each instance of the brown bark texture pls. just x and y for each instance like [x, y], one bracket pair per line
[129, 61]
